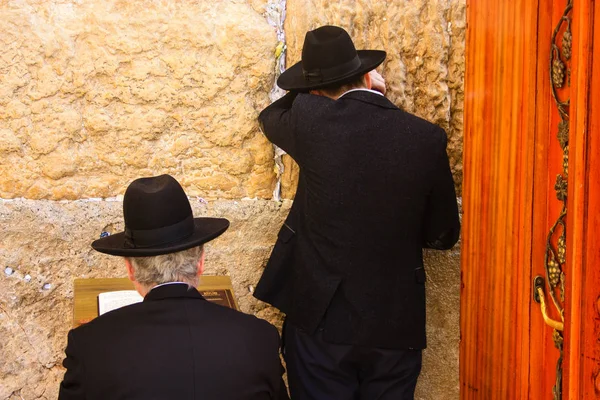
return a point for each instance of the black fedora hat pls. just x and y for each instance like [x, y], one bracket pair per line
[158, 220]
[328, 58]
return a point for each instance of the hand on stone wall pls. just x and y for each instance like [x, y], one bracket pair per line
[377, 81]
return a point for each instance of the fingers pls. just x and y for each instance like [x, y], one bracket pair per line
[375, 75]
[377, 81]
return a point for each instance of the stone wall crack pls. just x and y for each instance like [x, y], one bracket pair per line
[276, 11]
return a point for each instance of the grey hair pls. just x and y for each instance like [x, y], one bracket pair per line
[181, 266]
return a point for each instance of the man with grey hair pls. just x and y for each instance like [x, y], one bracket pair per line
[175, 344]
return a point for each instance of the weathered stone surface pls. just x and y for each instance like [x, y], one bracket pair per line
[94, 94]
[439, 376]
[424, 68]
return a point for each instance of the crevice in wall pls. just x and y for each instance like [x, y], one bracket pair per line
[275, 13]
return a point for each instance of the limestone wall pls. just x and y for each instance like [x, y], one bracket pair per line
[96, 93]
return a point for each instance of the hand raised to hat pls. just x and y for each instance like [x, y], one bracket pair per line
[377, 81]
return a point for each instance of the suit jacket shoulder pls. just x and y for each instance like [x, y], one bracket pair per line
[187, 345]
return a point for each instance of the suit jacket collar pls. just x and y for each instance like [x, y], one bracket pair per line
[176, 290]
[368, 97]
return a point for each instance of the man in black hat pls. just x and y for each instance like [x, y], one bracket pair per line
[175, 344]
[375, 188]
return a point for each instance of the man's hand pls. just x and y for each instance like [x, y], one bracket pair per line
[377, 81]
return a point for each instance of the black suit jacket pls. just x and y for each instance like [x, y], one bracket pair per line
[376, 189]
[173, 345]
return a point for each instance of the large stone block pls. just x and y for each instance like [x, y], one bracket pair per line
[424, 68]
[96, 93]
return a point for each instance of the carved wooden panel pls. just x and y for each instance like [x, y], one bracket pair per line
[531, 201]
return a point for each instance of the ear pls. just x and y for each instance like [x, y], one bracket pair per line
[142, 290]
[368, 83]
[130, 273]
[201, 264]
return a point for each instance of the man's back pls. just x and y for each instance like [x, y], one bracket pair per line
[370, 168]
[378, 189]
[174, 345]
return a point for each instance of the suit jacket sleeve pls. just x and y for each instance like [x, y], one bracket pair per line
[442, 223]
[276, 121]
[71, 388]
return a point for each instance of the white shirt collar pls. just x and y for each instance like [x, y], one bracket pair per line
[361, 89]
[169, 283]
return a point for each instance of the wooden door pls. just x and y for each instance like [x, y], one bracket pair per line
[531, 108]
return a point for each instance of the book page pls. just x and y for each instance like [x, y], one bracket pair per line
[109, 301]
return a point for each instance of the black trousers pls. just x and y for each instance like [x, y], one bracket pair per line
[318, 370]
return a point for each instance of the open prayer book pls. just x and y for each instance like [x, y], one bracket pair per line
[93, 297]
[108, 301]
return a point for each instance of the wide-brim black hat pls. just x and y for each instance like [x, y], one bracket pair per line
[159, 220]
[328, 58]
